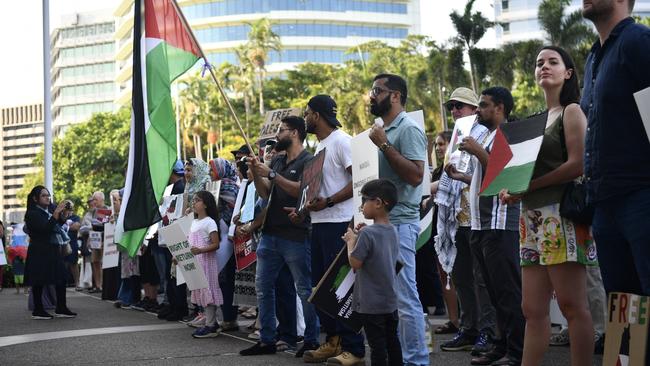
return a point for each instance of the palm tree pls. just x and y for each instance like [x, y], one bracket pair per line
[568, 32]
[261, 40]
[471, 27]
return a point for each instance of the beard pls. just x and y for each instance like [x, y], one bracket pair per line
[380, 108]
[599, 9]
[283, 145]
[485, 122]
[310, 128]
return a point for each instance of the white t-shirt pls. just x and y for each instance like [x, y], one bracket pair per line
[204, 227]
[338, 157]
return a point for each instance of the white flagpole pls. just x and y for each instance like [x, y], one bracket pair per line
[47, 98]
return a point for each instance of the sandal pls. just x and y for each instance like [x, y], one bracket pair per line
[447, 328]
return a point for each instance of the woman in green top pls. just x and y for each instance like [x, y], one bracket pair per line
[554, 251]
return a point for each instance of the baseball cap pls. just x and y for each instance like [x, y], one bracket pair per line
[178, 168]
[242, 150]
[326, 106]
[464, 95]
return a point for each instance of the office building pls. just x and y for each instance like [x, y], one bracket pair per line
[83, 67]
[310, 30]
[21, 131]
[519, 21]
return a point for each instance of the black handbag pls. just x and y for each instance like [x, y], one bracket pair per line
[574, 205]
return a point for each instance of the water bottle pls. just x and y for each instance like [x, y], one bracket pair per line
[428, 334]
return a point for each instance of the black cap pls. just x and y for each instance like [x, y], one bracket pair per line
[242, 150]
[270, 143]
[326, 106]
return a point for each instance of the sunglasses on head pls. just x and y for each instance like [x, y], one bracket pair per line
[457, 105]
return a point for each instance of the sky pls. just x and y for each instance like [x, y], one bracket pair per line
[21, 67]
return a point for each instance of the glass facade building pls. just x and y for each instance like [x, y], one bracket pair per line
[310, 30]
[519, 22]
[83, 68]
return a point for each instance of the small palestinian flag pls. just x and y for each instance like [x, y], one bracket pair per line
[513, 155]
[163, 50]
[623, 358]
[426, 225]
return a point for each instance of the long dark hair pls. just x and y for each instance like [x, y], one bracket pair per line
[210, 205]
[33, 196]
[571, 89]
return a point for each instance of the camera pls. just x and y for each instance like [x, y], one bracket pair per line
[242, 167]
[68, 205]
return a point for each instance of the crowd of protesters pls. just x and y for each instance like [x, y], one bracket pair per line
[492, 264]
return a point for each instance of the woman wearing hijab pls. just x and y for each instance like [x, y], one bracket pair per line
[196, 176]
[44, 264]
[224, 171]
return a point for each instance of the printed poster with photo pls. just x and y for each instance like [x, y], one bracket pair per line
[312, 177]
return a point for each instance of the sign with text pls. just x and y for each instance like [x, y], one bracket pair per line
[273, 119]
[176, 236]
[312, 176]
[627, 329]
[462, 129]
[365, 167]
[333, 294]
[95, 239]
[244, 251]
[111, 254]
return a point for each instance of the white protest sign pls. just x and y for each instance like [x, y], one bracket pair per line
[95, 240]
[248, 211]
[176, 236]
[238, 203]
[365, 167]
[462, 129]
[642, 98]
[179, 276]
[273, 119]
[3, 257]
[111, 255]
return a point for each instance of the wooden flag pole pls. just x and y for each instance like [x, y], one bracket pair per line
[214, 77]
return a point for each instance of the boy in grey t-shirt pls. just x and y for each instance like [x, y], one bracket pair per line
[372, 253]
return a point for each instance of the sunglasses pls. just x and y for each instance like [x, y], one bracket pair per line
[365, 199]
[376, 91]
[457, 105]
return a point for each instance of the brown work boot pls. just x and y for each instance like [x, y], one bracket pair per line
[346, 359]
[331, 348]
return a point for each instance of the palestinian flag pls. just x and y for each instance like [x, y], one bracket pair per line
[162, 52]
[513, 155]
[426, 225]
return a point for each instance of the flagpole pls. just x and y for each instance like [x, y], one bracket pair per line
[47, 99]
[187, 27]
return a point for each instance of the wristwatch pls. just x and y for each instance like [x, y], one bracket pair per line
[272, 175]
[385, 146]
[329, 202]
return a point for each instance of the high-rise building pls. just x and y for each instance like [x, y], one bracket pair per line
[310, 30]
[519, 21]
[83, 67]
[21, 138]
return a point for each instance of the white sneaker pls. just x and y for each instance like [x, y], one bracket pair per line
[254, 335]
[197, 322]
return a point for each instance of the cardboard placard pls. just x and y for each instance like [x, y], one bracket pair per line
[627, 329]
[312, 177]
[95, 239]
[111, 254]
[365, 167]
[273, 119]
[176, 236]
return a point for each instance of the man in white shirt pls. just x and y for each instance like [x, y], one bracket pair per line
[330, 214]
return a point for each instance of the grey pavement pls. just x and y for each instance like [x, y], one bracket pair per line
[102, 334]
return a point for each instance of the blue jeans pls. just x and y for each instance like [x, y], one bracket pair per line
[622, 233]
[272, 254]
[285, 307]
[326, 243]
[411, 320]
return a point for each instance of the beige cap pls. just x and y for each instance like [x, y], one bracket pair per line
[464, 95]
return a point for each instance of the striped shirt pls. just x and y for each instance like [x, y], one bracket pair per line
[488, 213]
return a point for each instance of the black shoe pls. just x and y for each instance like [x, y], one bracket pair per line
[41, 315]
[150, 306]
[460, 342]
[482, 344]
[64, 313]
[447, 328]
[164, 311]
[139, 306]
[173, 317]
[439, 311]
[259, 349]
[487, 358]
[306, 347]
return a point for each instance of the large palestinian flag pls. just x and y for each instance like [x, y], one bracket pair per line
[162, 52]
[513, 155]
